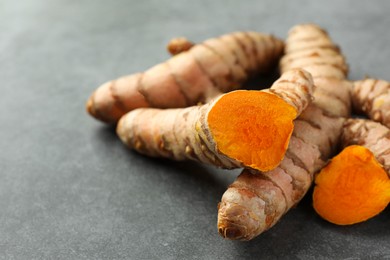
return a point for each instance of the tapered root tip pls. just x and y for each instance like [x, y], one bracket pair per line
[121, 129]
[103, 106]
[232, 233]
[89, 107]
[236, 222]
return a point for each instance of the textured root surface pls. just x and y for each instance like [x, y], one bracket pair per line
[372, 97]
[195, 74]
[309, 47]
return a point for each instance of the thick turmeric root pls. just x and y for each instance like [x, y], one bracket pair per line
[195, 76]
[372, 97]
[309, 47]
[352, 188]
[238, 129]
[255, 202]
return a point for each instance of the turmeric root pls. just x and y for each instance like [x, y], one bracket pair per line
[257, 200]
[195, 76]
[372, 97]
[239, 129]
[352, 188]
[309, 47]
[355, 186]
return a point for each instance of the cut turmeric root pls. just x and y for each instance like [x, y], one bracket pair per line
[257, 200]
[355, 186]
[352, 188]
[238, 129]
[195, 74]
[372, 97]
[370, 134]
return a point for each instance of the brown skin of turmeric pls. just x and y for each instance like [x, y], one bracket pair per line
[372, 98]
[257, 200]
[195, 74]
[179, 45]
[238, 129]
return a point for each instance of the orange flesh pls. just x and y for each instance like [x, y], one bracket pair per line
[252, 127]
[352, 188]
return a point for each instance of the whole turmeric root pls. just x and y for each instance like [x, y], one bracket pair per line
[238, 129]
[195, 75]
[355, 185]
[372, 97]
[257, 200]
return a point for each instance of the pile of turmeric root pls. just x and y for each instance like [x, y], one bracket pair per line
[297, 132]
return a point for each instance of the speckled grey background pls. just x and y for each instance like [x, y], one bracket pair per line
[70, 190]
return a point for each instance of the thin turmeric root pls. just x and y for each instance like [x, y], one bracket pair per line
[372, 97]
[352, 188]
[257, 200]
[179, 45]
[190, 77]
[238, 129]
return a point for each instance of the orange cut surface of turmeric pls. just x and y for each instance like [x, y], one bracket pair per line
[352, 188]
[258, 130]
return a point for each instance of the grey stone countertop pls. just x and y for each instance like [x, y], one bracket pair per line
[69, 189]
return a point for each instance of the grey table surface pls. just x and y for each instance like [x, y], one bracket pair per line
[70, 190]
